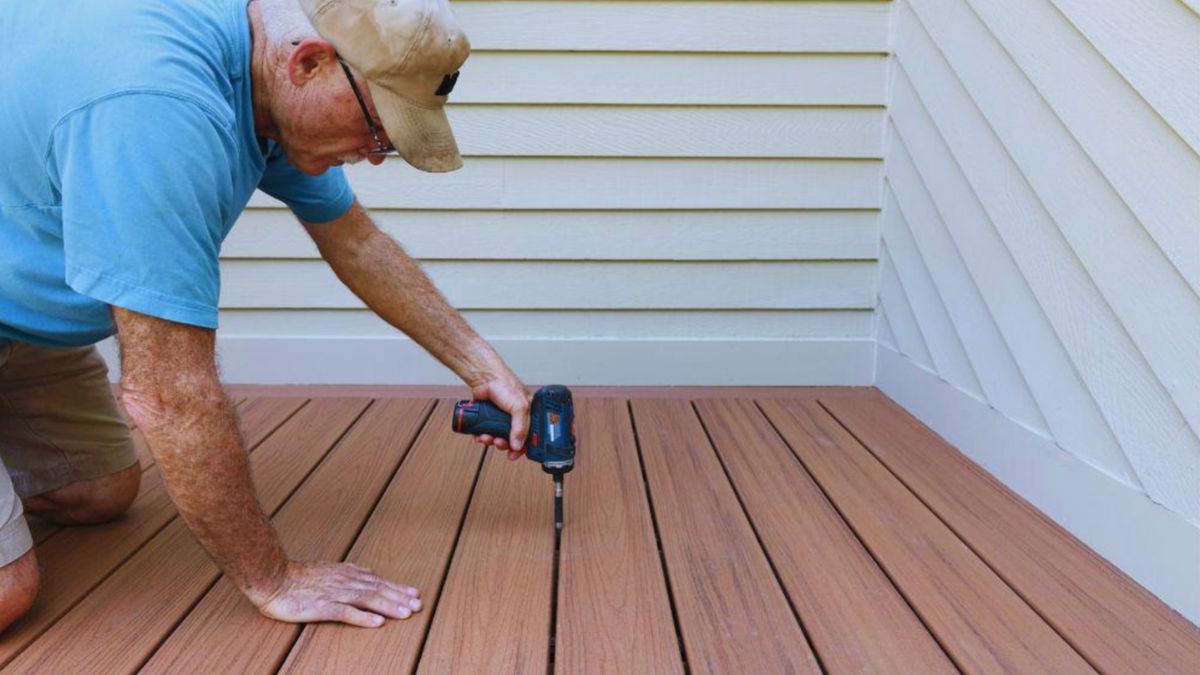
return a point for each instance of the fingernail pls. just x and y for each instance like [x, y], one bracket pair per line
[376, 620]
[415, 604]
[404, 612]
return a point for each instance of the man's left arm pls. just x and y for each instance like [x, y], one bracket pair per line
[394, 286]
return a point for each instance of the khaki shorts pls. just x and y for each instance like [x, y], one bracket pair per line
[59, 423]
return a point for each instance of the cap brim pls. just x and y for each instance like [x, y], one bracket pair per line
[422, 136]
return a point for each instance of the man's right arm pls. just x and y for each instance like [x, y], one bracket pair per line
[171, 390]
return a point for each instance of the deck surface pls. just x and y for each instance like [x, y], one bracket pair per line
[707, 531]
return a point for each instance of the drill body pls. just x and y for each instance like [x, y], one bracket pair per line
[551, 440]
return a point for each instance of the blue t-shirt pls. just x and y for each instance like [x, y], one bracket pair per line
[127, 151]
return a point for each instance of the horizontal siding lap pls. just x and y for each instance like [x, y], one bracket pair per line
[584, 235]
[691, 170]
[577, 285]
[575, 324]
[675, 26]
[666, 131]
[619, 183]
[672, 78]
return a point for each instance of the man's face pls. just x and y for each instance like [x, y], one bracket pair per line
[319, 119]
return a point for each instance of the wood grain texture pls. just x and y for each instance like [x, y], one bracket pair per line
[1153, 45]
[614, 615]
[980, 622]
[494, 612]
[135, 608]
[941, 333]
[1000, 375]
[921, 161]
[409, 538]
[732, 613]
[837, 588]
[1154, 546]
[76, 559]
[1116, 624]
[582, 235]
[893, 298]
[225, 632]
[675, 26]
[1122, 312]
[1144, 177]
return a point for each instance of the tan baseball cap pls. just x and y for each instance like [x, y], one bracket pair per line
[409, 51]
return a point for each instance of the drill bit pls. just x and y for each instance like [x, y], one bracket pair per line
[558, 519]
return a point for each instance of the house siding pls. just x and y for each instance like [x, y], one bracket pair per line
[1041, 237]
[642, 179]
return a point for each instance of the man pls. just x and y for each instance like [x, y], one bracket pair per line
[132, 134]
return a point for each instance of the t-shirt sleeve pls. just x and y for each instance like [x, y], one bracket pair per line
[314, 199]
[144, 204]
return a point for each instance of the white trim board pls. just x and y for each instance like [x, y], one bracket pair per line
[702, 362]
[1156, 547]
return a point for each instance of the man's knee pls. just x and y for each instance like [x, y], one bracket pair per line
[18, 588]
[88, 502]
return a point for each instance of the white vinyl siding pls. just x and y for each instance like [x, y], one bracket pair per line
[693, 178]
[1041, 220]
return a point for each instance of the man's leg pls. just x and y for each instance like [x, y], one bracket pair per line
[62, 436]
[18, 566]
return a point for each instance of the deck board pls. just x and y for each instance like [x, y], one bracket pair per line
[983, 625]
[409, 538]
[225, 633]
[837, 587]
[42, 529]
[733, 615]
[614, 614]
[1116, 624]
[78, 558]
[494, 613]
[707, 530]
[128, 614]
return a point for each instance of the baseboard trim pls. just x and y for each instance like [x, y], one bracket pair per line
[1156, 547]
[601, 362]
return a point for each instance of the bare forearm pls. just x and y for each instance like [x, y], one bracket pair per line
[202, 458]
[395, 287]
[199, 450]
[170, 388]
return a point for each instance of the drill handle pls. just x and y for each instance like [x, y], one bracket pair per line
[481, 417]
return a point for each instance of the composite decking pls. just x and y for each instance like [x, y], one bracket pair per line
[707, 531]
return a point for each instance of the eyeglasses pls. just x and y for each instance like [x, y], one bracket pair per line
[380, 148]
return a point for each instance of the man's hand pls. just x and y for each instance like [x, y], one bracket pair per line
[392, 284]
[507, 392]
[324, 591]
[171, 391]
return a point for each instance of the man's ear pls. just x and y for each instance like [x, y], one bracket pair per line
[308, 58]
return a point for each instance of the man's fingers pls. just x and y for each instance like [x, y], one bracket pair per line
[382, 604]
[355, 617]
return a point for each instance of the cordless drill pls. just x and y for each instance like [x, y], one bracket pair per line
[551, 440]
